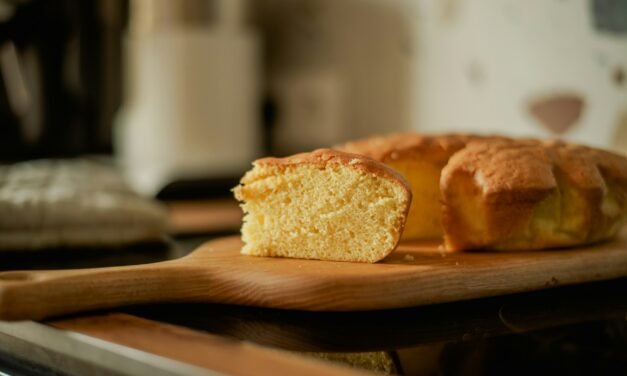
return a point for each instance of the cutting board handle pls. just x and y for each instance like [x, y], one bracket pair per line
[35, 295]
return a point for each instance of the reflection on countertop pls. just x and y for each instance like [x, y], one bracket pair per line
[574, 330]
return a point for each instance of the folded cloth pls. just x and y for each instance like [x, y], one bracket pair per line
[73, 203]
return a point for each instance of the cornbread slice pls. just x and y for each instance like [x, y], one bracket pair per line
[420, 160]
[326, 205]
[530, 194]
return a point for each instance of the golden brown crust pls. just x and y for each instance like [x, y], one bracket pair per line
[511, 186]
[400, 145]
[323, 157]
[512, 178]
[528, 164]
[522, 167]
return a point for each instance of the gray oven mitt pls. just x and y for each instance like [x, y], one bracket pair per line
[73, 203]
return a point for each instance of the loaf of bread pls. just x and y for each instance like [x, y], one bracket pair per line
[529, 194]
[326, 205]
[504, 194]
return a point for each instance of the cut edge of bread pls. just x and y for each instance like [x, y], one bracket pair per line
[325, 205]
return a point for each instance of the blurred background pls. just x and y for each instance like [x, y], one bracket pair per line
[106, 105]
[184, 94]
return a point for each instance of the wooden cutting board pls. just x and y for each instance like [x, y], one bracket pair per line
[415, 274]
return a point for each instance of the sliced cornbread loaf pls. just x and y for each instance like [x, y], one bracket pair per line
[326, 205]
[505, 194]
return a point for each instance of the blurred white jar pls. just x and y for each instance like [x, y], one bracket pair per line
[192, 93]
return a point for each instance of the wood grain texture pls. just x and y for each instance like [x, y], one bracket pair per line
[415, 274]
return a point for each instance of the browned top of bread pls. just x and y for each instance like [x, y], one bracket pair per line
[528, 168]
[397, 145]
[529, 194]
[323, 157]
[585, 163]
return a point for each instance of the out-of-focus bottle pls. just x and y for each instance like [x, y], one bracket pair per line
[192, 93]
